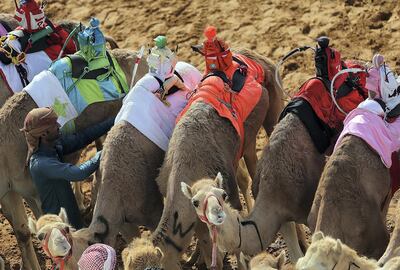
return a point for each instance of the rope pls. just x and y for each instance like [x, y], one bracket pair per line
[287, 56]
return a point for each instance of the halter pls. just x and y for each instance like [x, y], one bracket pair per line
[350, 265]
[214, 232]
[58, 260]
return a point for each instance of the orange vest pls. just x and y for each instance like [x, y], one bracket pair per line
[234, 106]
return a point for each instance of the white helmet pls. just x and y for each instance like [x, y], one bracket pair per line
[161, 59]
[30, 15]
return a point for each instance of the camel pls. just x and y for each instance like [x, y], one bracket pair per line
[141, 254]
[202, 144]
[393, 248]
[265, 261]
[2, 264]
[352, 198]
[326, 253]
[209, 200]
[284, 186]
[59, 237]
[15, 181]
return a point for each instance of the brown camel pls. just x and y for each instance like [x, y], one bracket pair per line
[202, 144]
[265, 261]
[352, 198]
[61, 238]
[15, 181]
[328, 253]
[141, 254]
[288, 174]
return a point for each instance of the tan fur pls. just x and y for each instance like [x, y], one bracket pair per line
[265, 261]
[353, 191]
[141, 254]
[393, 248]
[328, 253]
[14, 180]
[80, 239]
[128, 195]
[201, 145]
[288, 174]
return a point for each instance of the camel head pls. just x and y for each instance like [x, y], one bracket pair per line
[141, 254]
[323, 254]
[54, 232]
[265, 261]
[208, 198]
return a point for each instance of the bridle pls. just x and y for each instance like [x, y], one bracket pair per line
[350, 265]
[214, 232]
[58, 260]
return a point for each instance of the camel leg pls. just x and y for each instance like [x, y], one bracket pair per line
[288, 230]
[301, 234]
[76, 186]
[35, 206]
[14, 211]
[129, 231]
[250, 156]
[244, 183]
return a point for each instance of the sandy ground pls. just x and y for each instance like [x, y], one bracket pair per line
[358, 28]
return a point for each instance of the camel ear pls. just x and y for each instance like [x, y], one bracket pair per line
[32, 225]
[317, 236]
[63, 215]
[160, 254]
[338, 247]
[244, 260]
[281, 259]
[220, 180]
[124, 256]
[187, 191]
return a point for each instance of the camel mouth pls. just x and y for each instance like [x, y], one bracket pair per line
[217, 219]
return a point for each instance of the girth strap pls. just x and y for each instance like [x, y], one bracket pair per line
[238, 78]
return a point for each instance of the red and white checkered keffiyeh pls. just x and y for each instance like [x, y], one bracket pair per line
[98, 257]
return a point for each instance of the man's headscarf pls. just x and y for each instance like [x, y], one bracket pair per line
[36, 123]
[98, 257]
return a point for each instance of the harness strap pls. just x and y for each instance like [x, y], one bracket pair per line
[174, 88]
[238, 78]
[79, 65]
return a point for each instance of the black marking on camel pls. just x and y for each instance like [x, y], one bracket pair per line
[177, 227]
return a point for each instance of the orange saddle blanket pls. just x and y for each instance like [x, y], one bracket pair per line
[236, 107]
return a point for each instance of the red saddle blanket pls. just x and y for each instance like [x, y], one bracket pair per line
[236, 107]
[315, 92]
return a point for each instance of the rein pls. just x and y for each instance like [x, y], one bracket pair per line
[58, 261]
[214, 232]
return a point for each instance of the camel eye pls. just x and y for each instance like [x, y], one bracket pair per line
[224, 196]
[41, 236]
[196, 203]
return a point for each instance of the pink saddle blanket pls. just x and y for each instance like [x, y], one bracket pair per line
[380, 135]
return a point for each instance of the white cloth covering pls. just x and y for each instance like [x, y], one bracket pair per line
[46, 91]
[142, 109]
[34, 63]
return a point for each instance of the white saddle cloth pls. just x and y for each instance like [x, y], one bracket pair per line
[142, 109]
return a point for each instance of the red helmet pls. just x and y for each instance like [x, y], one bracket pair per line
[30, 15]
[217, 53]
